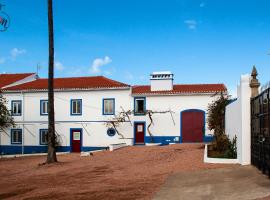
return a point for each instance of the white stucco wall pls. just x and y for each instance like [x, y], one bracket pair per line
[163, 124]
[238, 120]
[92, 121]
[232, 115]
[161, 84]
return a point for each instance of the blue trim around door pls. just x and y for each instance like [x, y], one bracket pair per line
[181, 122]
[134, 130]
[70, 141]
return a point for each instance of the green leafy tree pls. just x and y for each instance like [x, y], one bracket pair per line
[216, 114]
[216, 122]
[6, 120]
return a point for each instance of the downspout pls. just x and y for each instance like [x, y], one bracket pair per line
[23, 106]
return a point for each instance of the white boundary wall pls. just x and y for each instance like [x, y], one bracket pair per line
[217, 160]
[237, 120]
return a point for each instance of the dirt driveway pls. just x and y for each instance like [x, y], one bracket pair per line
[128, 173]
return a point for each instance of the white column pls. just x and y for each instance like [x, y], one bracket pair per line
[244, 137]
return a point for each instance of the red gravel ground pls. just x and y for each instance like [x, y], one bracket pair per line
[266, 198]
[130, 173]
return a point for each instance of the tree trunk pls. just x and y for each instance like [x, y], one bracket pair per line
[51, 157]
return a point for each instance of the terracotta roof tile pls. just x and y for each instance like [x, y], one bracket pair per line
[7, 79]
[93, 82]
[181, 89]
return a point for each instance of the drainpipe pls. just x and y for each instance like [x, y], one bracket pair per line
[23, 110]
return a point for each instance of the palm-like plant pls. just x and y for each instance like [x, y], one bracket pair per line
[51, 157]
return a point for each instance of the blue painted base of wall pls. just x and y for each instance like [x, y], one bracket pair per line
[16, 149]
[164, 140]
[93, 148]
[208, 139]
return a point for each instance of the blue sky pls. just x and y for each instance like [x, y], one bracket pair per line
[200, 41]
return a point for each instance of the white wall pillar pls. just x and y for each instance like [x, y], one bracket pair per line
[244, 136]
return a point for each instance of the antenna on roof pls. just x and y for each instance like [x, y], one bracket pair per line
[38, 67]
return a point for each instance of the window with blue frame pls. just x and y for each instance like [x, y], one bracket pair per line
[43, 136]
[16, 136]
[16, 108]
[139, 105]
[43, 107]
[108, 106]
[76, 107]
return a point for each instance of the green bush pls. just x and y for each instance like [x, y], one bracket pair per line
[231, 152]
[221, 146]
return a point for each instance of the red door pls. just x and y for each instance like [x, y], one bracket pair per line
[139, 133]
[76, 140]
[192, 126]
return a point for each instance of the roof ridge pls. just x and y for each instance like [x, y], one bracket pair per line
[139, 85]
[74, 77]
[17, 73]
[111, 80]
[114, 80]
[77, 77]
[195, 84]
[71, 83]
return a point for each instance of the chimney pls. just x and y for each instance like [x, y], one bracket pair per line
[161, 81]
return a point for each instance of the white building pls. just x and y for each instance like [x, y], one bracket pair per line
[85, 105]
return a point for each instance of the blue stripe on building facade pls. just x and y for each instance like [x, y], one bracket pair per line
[164, 140]
[16, 149]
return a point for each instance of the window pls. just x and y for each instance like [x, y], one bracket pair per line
[76, 107]
[16, 108]
[139, 106]
[16, 136]
[43, 107]
[108, 106]
[43, 136]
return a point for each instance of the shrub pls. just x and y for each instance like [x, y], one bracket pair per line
[222, 146]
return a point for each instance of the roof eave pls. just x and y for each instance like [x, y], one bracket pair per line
[177, 94]
[68, 89]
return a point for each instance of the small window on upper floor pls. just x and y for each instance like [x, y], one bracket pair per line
[43, 107]
[16, 108]
[43, 136]
[76, 107]
[16, 136]
[108, 106]
[139, 107]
